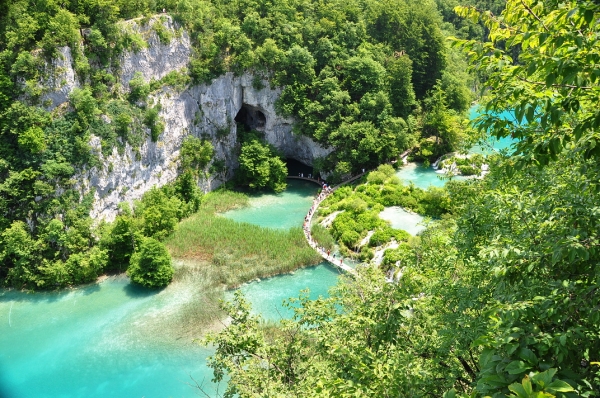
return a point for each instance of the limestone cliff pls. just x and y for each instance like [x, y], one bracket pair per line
[208, 111]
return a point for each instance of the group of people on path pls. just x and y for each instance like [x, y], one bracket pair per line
[326, 253]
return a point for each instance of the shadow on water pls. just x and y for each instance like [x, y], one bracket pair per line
[4, 393]
[301, 188]
[91, 289]
[47, 296]
[135, 291]
[28, 296]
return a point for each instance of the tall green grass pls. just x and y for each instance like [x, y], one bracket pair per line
[322, 236]
[238, 252]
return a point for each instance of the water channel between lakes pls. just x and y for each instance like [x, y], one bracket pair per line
[111, 338]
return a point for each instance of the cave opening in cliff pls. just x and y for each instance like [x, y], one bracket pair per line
[297, 168]
[251, 118]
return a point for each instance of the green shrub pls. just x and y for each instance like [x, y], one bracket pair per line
[350, 238]
[86, 267]
[469, 170]
[366, 254]
[164, 35]
[138, 88]
[401, 235]
[120, 242]
[381, 236]
[150, 265]
[159, 213]
[261, 167]
[152, 120]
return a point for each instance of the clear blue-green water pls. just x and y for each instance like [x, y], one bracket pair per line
[112, 339]
[281, 211]
[490, 144]
[422, 177]
[104, 340]
[401, 219]
[268, 295]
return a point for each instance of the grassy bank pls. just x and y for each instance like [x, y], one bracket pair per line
[238, 252]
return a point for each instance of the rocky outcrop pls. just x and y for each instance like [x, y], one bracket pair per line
[158, 59]
[208, 111]
[60, 81]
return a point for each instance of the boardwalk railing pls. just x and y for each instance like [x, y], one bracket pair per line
[308, 219]
[305, 179]
[308, 222]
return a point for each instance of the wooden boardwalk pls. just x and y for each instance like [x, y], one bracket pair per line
[305, 179]
[334, 261]
[337, 262]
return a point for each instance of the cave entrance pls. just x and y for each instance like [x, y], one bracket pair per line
[295, 168]
[251, 118]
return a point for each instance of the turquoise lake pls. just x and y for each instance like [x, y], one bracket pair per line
[424, 177]
[112, 339]
[278, 211]
[101, 340]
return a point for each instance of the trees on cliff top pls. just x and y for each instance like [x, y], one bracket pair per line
[501, 299]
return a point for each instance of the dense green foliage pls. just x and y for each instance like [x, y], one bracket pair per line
[466, 165]
[261, 167]
[369, 79]
[356, 210]
[150, 265]
[501, 297]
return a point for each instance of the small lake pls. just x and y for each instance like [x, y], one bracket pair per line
[268, 295]
[279, 211]
[402, 219]
[109, 339]
[423, 177]
[112, 339]
[492, 144]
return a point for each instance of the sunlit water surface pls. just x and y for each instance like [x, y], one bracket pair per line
[424, 177]
[280, 211]
[95, 342]
[109, 340]
[401, 219]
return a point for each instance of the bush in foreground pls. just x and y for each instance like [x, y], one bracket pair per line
[150, 265]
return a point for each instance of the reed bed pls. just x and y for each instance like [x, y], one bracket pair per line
[223, 200]
[322, 236]
[238, 252]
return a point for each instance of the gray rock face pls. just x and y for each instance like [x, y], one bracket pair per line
[206, 111]
[158, 59]
[61, 80]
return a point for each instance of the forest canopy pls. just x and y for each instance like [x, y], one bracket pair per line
[367, 79]
[500, 297]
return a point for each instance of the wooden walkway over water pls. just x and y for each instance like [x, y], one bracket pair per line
[334, 261]
[320, 183]
[337, 262]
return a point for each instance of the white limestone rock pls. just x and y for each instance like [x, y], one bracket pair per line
[207, 111]
[158, 59]
[60, 80]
